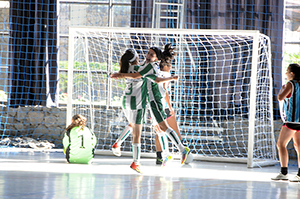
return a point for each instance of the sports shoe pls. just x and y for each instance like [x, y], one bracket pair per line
[280, 176]
[166, 161]
[184, 155]
[116, 149]
[295, 179]
[159, 161]
[136, 167]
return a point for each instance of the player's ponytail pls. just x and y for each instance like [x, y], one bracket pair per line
[167, 55]
[127, 58]
[295, 68]
[77, 120]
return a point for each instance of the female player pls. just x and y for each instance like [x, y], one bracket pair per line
[156, 93]
[79, 142]
[134, 103]
[290, 93]
[165, 68]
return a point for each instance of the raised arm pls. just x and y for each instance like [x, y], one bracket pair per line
[162, 79]
[126, 75]
[166, 79]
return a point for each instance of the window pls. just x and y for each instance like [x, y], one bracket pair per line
[97, 13]
[292, 34]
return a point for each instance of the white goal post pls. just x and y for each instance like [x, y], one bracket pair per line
[223, 99]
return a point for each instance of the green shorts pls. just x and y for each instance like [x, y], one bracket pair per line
[157, 111]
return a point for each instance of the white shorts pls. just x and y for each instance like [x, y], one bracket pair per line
[135, 116]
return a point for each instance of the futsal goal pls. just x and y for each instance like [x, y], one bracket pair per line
[223, 98]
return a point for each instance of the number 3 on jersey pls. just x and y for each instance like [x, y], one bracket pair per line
[129, 90]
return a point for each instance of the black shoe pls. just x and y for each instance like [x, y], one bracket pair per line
[159, 161]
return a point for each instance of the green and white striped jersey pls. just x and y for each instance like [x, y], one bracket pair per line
[135, 93]
[151, 71]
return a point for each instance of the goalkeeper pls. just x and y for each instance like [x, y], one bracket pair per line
[79, 142]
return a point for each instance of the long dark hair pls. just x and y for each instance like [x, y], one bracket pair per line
[77, 120]
[125, 60]
[295, 68]
[157, 52]
[167, 56]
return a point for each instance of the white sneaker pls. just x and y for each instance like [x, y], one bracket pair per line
[280, 176]
[295, 179]
[166, 161]
[116, 149]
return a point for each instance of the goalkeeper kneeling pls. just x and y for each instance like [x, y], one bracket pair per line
[79, 142]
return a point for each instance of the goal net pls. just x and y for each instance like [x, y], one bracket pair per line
[223, 98]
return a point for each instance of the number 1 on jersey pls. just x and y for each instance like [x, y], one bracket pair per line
[82, 142]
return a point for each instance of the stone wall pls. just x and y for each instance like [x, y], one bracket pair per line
[42, 123]
[38, 122]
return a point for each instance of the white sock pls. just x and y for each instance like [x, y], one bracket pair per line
[164, 143]
[175, 139]
[136, 153]
[125, 133]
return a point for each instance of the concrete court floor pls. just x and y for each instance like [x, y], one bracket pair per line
[43, 175]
